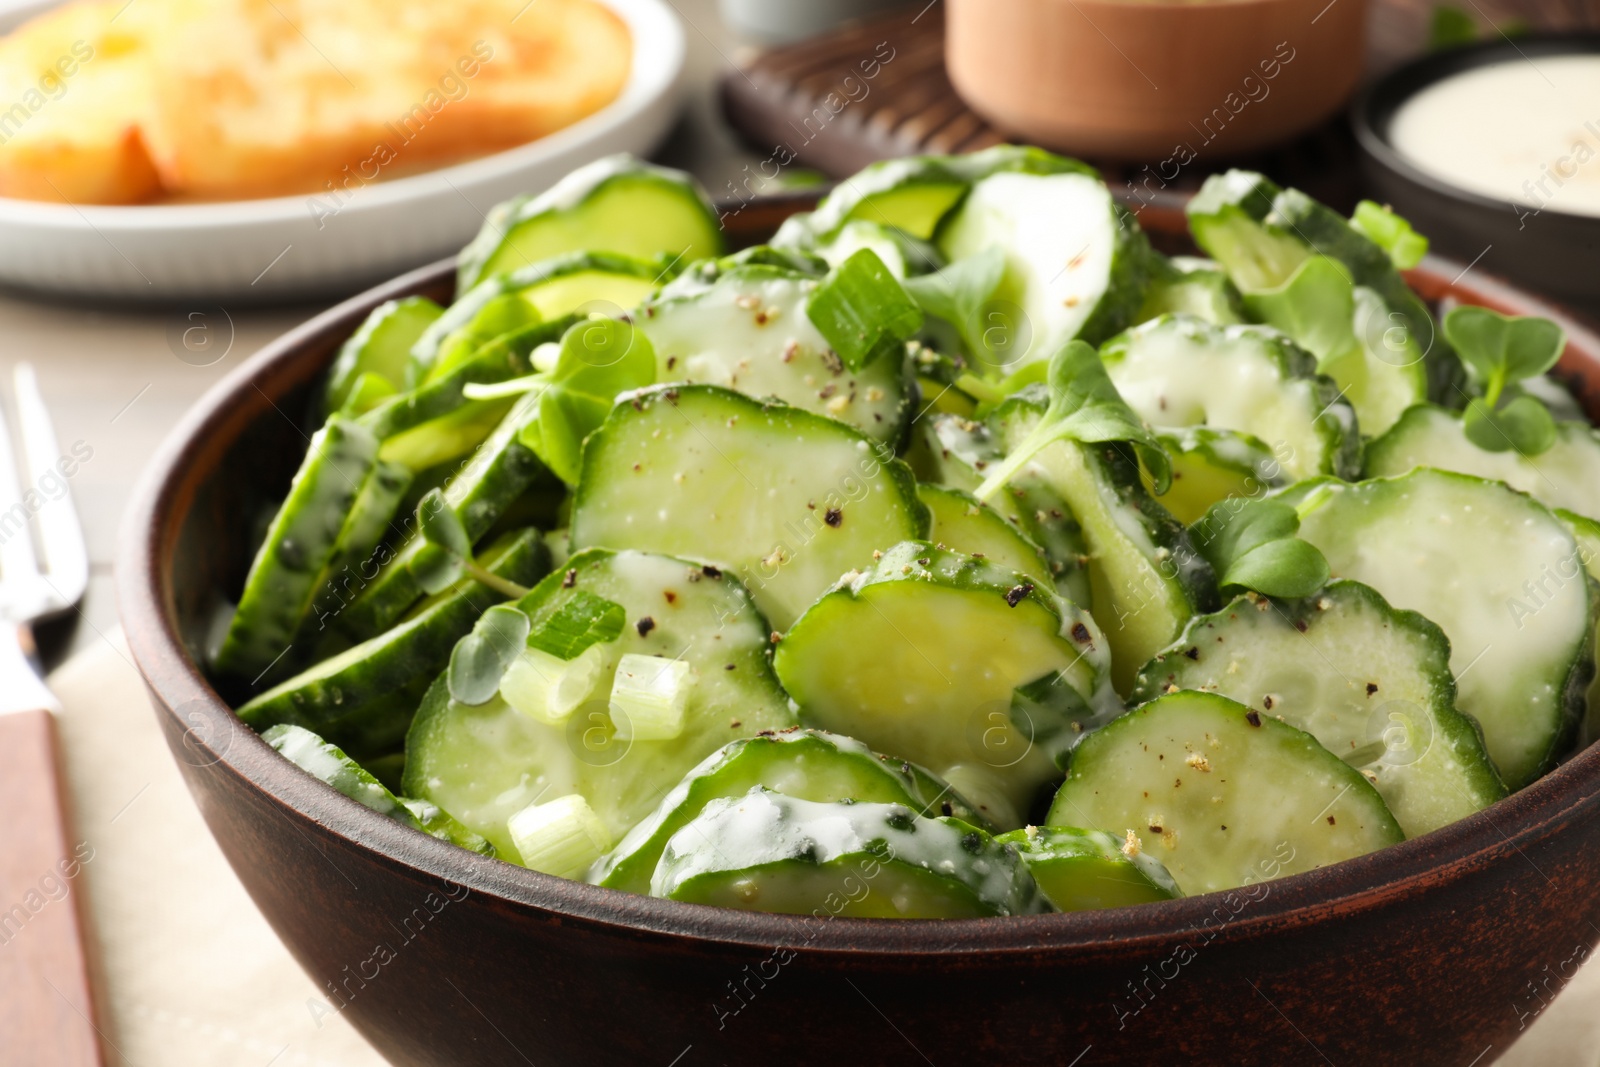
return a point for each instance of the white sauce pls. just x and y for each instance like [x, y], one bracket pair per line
[1526, 130]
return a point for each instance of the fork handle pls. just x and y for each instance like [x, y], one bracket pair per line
[46, 1012]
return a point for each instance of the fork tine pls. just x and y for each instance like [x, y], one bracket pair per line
[61, 536]
[19, 567]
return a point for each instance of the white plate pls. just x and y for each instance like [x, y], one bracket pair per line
[301, 246]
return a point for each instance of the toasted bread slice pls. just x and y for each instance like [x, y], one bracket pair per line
[74, 95]
[273, 97]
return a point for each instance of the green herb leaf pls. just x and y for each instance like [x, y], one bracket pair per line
[1522, 422]
[480, 659]
[1450, 27]
[962, 294]
[600, 358]
[1252, 544]
[581, 621]
[1503, 348]
[1084, 406]
[1390, 232]
[441, 525]
[443, 557]
[1315, 307]
[862, 311]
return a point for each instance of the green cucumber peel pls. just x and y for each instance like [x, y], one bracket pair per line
[1504, 350]
[862, 311]
[1084, 406]
[480, 659]
[1390, 232]
[1253, 545]
[580, 622]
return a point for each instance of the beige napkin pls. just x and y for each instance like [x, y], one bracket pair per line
[194, 977]
[192, 974]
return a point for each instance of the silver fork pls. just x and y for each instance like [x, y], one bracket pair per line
[46, 1012]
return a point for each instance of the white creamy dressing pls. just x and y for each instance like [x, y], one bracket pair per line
[1525, 130]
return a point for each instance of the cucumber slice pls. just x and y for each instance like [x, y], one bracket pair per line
[1210, 465]
[961, 523]
[1261, 233]
[768, 852]
[903, 254]
[1187, 286]
[1497, 572]
[956, 451]
[542, 291]
[912, 194]
[499, 471]
[370, 522]
[788, 499]
[616, 204]
[1222, 795]
[804, 764]
[1371, 683]
[920, 655]
[485, 763]
[425, 426]
[1566, 476]
[1177, 372]
[1587, 533]
[747, 330]
[329, 765]
[1076, 261]
[344, 687]
[381, 346]
[299, 545]
[1147, 579]
[1080, 870]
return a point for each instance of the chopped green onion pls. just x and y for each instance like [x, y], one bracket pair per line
[498, 390]
[862, 311]
[582, 620]
[648, 697]
[561, 837]
[549, 689]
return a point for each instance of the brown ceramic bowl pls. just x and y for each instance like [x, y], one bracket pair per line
[1155, 80]
[1438, 950]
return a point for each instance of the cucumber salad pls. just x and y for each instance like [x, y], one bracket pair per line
[955, 554]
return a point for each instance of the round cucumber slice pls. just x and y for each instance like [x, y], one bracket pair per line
[1076, 261]
[804, 764]
[1567, 475]
[955, 451]
[1499, 574]
[1146, 577]
[1187, 286]
[1080, 870]
[380, 346]
[1222, 795]
[1177, 372]
[1209, 465]
[788, 499]
[485, 763]
[1370, 682]
[616, 204]
[747, 330]
[903, 254]
[962, 523]
[911, 194]
[922, 655]
[768, 852]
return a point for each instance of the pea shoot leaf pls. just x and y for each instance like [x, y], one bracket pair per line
[480, 659]
[1253, 544]
[1084, 406]
[1503, 350]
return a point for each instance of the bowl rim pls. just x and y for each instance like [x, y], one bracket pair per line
[213, 740]
[1374, 108]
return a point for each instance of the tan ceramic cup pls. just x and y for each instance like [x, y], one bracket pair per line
[1155, 81]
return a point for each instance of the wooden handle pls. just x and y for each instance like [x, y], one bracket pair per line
[46, 1012]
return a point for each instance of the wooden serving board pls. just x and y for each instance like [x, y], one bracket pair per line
[776, 99]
